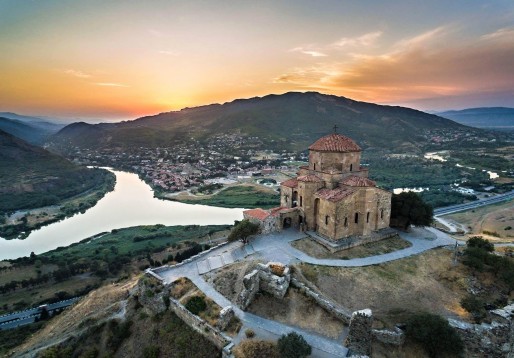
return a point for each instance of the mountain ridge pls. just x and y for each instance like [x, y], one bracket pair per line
[293, 119]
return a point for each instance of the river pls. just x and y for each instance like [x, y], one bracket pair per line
[131, 203]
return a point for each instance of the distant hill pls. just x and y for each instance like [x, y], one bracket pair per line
[31, 129]
[486, 117]
[31, 176]
[292, 119]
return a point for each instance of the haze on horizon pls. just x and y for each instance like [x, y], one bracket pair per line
[124, 59]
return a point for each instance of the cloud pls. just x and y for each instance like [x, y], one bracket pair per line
[309, 52]
[109, 84]
[425, 66]
[76, 73]
[368, 39]
[169, 53]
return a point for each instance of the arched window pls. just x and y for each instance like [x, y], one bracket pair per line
[301, 200]
[345, 222]
[356, 218]
[351, 167]
[381, 213]
[314, 166]
[367, 217]
[326, 220]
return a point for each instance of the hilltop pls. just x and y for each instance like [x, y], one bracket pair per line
[31, 129]
[31, 176]
[290, 120]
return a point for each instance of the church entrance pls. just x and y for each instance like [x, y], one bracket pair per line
[286, 223]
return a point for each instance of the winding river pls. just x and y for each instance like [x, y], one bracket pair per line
[131, 203]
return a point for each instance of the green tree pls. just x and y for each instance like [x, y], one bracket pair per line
[435, 335]
[196, 304]
[242, 230]
[479, 242]
[409, 209]
[293, 345]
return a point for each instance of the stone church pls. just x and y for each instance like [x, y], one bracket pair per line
[332, 198]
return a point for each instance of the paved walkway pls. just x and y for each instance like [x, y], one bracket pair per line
[277, 247]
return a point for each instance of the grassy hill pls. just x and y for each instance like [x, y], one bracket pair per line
[289, 120]
[33, 177]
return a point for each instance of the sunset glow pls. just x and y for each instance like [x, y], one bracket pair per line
[113, 60]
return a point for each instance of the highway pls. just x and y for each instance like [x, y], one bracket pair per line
[475, 204]
[12, 320]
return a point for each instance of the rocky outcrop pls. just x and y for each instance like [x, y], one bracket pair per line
[150, 294]
[273, 278]
[493, 340]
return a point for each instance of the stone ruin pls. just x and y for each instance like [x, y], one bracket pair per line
[360, 333]
[273, 278]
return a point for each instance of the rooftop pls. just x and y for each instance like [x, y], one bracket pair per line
[259, 214]
[355, 180]
[335, 194]
[335, 143]
[309, 178]
[292, 183]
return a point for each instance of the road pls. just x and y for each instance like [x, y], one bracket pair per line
[21, 318]
[475, 204]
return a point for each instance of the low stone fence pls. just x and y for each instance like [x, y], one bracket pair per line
[218, 338]
[352, 241]
[332, 307]
[396, 337]
[155, 271]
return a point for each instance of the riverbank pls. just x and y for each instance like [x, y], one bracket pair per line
[20, 224]
[236, 196]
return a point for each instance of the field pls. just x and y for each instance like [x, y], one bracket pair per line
[298, 310]
[239, 196]
[493, 222]
[317, 250]
[427, 282]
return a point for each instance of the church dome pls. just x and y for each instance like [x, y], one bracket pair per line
[335, 143]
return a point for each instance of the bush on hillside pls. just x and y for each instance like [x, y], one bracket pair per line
[293, 345]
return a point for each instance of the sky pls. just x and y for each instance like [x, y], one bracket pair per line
[112, 60]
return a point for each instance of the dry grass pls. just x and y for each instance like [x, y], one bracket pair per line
[488, 219]
[314, 249]
[298, 310]
[19, 273]
[427, 282]
[181, 287]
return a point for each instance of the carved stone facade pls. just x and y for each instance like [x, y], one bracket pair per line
[332, 196]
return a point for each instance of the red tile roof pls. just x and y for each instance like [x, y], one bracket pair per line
[259, 214]
[335, 143]
[335, 194]
[309, 178]
[292, 183]
[355, 180]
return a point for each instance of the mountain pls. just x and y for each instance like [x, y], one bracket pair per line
[31, 129]
[292, 119]
[31, 176]
[485, 117]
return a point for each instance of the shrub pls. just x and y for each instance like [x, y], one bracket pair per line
[256, 349]
[435, 334]
[249, 333]
[151, 352]
[479, 242]
[196, 304]
[473, 305]
[293, 345]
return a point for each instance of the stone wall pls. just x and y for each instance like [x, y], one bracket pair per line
[272, 278]
[214, 335]
[396, 337]
[360, 335]
[493, 340]
[330, 306]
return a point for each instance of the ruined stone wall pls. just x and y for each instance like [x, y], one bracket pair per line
[218, 338]
[396, 337]
[331, 307]
[272, 278]
[493, 340]
[360, 335]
